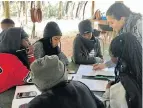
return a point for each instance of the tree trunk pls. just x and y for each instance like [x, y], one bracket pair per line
[72, 13]
[60, 10]
[3, 8]
[26, 7]
[92, 12]
[6, 6]
[17, 5]
[33, 31]
[77, 9]
[92, 8]
[84, 8]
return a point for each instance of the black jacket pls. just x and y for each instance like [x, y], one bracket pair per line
[82, 47]
[71, 95]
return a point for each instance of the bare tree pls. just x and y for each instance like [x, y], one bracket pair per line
[6, 9]
[60, 10]
[84, 8]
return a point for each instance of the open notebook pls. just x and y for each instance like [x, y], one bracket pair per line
[87, 70]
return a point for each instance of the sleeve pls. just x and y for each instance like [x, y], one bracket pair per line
[106, 98]
[23, 34]
[79, 56]
[63, 58]
[110, 64]
[38, 50]
[139, 26]
[99, 54]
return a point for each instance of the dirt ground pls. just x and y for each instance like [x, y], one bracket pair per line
[67, 44]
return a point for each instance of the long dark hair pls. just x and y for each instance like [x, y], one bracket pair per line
[118, 10]
[128, 50]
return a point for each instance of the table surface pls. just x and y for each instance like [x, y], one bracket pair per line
[7, 96]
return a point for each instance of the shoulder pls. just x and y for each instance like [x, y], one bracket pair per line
[40, 101]
[38, 44]
[77, 39]
[79, 85]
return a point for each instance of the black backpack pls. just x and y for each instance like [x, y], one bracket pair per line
[132, 88]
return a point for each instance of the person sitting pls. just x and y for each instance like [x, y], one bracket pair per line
[86, 47]
[9, 23]
[126, 92]
[122, 20]
[11, 42]
[48, 45]
[14, 61]
[51, 78]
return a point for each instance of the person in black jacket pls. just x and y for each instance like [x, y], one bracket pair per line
[86, 47]
[126, 52]
[48, 45]
[50, 77]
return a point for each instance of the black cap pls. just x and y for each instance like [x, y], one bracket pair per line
[52, 29]
[85, 26]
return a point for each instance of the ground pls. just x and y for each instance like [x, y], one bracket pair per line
[67, 44]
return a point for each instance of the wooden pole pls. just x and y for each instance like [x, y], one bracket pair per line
[60, 10]
[6, 6]
[92, 12]
[92, 9]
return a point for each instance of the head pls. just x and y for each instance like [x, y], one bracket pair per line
[53, 32]
[85, 29]
[116, 15]
[47, 72]
[7, 23]
[127, 48]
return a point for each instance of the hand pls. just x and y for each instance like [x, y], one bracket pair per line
[30, 50]
[99, 66]
[109, 84]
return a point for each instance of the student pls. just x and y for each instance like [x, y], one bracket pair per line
[86, 47]
[126, 52]
[48, 45]
[122, 20]
[14, 66]
[8, 23]
[50, 77]
[11, 42]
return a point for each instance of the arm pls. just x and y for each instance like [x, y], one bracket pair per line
[137, 30]
[38, 50]
[110, 64]
[79, 54]
[63, 58]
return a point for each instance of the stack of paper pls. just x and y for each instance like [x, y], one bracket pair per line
[95, 85]
[87, 70]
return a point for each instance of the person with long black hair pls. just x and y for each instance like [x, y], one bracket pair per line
[126, 52]
[122, 20]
